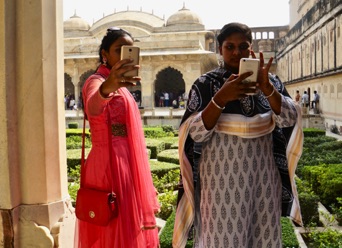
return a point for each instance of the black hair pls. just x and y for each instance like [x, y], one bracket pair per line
[111, 36]
[234, 27]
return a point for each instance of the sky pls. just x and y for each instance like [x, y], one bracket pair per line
[213, 13]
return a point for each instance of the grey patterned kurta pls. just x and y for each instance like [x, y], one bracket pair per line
[240, 183]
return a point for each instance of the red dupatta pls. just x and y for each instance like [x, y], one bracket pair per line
[145, 192]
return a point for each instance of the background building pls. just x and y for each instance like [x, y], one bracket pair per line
[309, 57]
[174, 52]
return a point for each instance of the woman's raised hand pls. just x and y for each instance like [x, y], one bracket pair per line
[117, 79]
[234, 89]
[263, 81]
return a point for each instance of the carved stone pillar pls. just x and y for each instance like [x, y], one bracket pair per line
[35, 209]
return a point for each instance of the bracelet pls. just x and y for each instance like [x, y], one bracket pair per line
[270, 94]
[216, 105]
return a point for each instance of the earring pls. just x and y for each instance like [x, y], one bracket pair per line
[104, 61]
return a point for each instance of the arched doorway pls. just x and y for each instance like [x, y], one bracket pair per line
[168, 80]
[69, 90]
[83, 78]
[136, 92]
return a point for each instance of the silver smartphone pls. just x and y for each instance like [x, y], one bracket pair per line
[131, 52]
[249, 64]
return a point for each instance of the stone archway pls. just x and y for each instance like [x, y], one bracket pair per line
[169, 80]
[136, 92]
[69, 88]
[83, 79]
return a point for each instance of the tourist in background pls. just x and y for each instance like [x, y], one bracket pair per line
[315, 102]
[297, 97]
[305, 102]
[245, 175]
[105, 94]
[166, 99]
[161, 99]
[305, 99]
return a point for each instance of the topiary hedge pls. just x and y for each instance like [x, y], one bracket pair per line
[313, 132]
[170, 156]
[74, 157]
[155, 146]
[166, 235]
[289, 238]
[325, 181]
[77, 132]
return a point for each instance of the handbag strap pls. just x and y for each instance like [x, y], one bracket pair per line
[83, 153]
[110, 150]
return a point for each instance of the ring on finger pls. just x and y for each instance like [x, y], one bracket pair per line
[123, 80]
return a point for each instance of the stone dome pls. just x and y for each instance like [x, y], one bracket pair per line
[76, 23]
[183, 16]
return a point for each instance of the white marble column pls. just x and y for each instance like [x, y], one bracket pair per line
[34, 201]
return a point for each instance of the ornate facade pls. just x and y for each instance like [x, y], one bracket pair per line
[308, 53]
[309, 57]
[174, 52]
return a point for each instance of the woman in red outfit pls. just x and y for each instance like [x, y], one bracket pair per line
[105, 93]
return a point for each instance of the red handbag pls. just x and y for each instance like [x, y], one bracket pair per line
[92, 205]
[95, 206]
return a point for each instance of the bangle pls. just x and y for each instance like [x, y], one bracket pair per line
[216, 105]
[103, 96]
[271, 93]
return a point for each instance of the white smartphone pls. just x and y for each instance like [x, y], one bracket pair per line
[249, 64]
[131, 52]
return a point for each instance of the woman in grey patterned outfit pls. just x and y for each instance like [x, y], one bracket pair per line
[249, 146]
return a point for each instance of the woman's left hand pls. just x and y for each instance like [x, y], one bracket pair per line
[263, 82]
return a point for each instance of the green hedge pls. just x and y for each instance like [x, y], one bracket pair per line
[313, 132]
[75, 142]
[319, 150]
[154, 132]
[169, 142]
[155, 146]
[326, 181]
[308, 203]
[161, 168]
[74, 157]
[289, 238]
[165, 237]
[170, 156]
[77, 132]
[329, 238]
[73, 125]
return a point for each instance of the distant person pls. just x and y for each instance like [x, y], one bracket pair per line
[297, 97]
[66, 99]
[315, 102]
[71, 103]
[161, 99]
[166, 99]
[138, 95]
[185, 98]
[175, 104]
[305, 99]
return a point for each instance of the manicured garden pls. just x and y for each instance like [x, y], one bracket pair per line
[319, 183]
